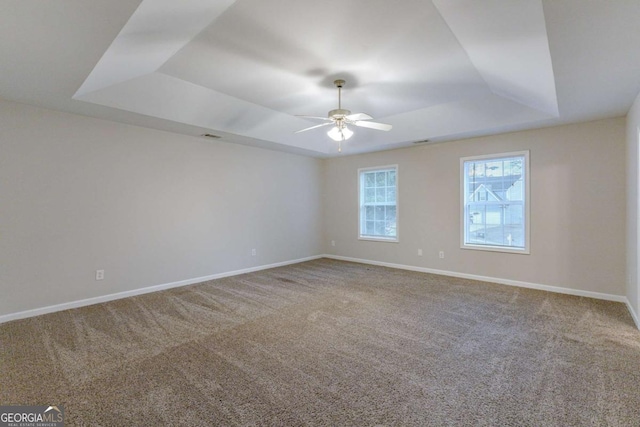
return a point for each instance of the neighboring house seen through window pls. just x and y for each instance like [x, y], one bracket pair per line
[495, 202]
[378, 216]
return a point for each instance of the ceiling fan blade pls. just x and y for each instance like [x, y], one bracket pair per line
[315, 117]
[373, 125]
[313, 127]
[358, 116]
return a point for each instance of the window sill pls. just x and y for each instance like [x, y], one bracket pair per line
[380, 239]
[504, 249]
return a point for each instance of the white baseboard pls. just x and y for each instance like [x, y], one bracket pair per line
[569, 291]
[134, 292]
[557, 289]
[634, 315]
[141, 291]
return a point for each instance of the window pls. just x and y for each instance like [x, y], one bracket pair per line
[495, 202]
[378, 218]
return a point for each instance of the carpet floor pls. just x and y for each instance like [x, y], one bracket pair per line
[331, 343]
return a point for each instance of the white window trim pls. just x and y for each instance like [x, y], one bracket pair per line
[527, 207]
[379, 239]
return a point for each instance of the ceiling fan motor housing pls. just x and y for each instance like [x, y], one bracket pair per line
[339, 113]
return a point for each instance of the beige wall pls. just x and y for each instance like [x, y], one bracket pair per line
[79, 194]
[149, 207]
[577, 207]
[633, 282]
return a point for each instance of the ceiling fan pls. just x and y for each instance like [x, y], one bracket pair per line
[340, 118]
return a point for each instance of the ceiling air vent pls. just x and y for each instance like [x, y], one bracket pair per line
[210, 135]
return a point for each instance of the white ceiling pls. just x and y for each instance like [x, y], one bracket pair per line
[243, 69]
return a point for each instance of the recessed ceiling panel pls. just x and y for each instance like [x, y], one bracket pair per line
[155, 32]
[507, 43]
[248, 67]
[284, 55]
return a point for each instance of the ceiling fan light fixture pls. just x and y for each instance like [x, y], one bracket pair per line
[340, 134]
[348, 133]
[335, 134]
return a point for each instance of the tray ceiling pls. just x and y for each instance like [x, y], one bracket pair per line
[436, 70]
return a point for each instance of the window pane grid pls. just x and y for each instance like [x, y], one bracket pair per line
[378, 203]
[494, 202]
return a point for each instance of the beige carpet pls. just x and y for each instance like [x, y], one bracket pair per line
[331, 343]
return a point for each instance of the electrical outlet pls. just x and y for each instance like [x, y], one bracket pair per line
[253, 252]
[419, 252]
[441, 254]
[333, 243]
[99, 274]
